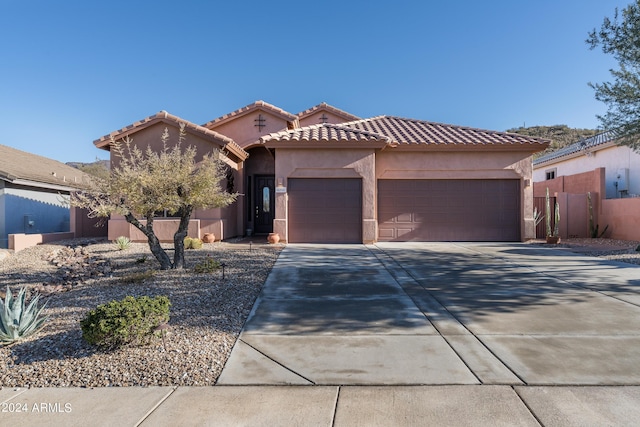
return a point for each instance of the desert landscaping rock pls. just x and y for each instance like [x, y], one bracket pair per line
[207, 313]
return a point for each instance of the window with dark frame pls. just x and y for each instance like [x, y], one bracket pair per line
[550, 174]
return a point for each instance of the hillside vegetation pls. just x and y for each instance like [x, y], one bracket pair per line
[560, 135]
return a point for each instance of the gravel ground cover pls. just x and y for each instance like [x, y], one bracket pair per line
[615, 250]
[207, 313]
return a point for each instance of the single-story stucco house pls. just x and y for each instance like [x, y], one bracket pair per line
[621, 164]
[605, 170]
[325, 175]
[34, 200]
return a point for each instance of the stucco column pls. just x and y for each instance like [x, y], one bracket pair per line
[280, 220]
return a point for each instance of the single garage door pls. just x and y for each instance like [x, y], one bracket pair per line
[325, 210]
[449, 210]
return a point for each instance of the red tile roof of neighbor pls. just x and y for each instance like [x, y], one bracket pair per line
[401, 131]
[249, 108]
[164, 117]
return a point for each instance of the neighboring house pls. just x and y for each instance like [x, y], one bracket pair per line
[621, 164]
[325, 175]
[34, 194]
[608, 172]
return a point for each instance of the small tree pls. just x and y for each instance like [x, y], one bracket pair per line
[620, 38]
[143, 184]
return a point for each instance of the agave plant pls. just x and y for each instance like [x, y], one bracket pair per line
[122, 243]
[17, 320]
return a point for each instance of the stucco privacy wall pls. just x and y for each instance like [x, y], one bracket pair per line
[220, 221]
[327, 163]
[396, 163]
[592, 181]
[621, 215]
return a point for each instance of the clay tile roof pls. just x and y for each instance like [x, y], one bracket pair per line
[165, 117]
[249, 108]
[400, 131]
[327, 107]
[326, 132]
[580, 146]
[411, 131]
[30, 169]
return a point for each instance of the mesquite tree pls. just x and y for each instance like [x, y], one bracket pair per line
[145, 184]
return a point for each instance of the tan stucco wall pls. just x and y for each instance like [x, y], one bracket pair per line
[243, 129]
[150, 137]
[164, 229]
[315, 118]
[327, 163]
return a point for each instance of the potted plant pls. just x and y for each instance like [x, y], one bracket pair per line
[553, 236]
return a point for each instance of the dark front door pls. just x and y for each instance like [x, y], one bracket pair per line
[264, 203]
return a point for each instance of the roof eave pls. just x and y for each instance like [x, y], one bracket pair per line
[326, 144]
[531, 148]
[575, 154]
[46, 185]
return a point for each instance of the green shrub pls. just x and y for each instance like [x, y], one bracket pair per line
[17, 319]
[129, 321]
[192, 243]
[122, 243]
[209, 265]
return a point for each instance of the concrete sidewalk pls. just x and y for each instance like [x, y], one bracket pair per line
[404, 334]
[479, 405]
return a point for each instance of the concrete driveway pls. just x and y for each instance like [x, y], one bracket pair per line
[441, 314]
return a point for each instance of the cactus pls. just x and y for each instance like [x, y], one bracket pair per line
[556, 226]
[192, 243]
[548, 213]
[17, 320]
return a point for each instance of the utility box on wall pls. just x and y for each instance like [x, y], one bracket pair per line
[622, 180]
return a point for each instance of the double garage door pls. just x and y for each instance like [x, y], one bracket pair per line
[449, 210]
[323, 210]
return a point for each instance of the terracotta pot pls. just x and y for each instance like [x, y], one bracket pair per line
[273, 238]
[208, 238]
[552, 240]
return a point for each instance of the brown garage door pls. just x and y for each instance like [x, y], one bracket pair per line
[449, 210]
[325, 210]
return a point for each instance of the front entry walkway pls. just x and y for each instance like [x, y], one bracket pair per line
[441, 314]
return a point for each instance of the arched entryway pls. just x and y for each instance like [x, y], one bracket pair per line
[260, 190]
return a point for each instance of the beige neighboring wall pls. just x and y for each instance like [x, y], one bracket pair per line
[396, 163]
[327, 163]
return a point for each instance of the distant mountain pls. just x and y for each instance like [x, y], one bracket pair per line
[560, 135]
[99, 168]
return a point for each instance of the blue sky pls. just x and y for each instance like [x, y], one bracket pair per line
[72, 71]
